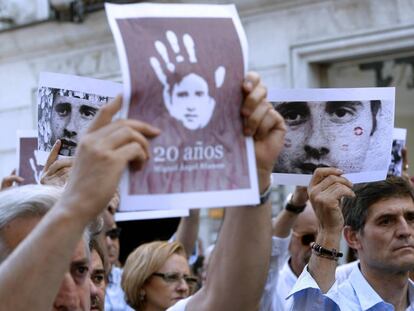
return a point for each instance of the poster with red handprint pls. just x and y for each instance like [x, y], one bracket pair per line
[183, 67]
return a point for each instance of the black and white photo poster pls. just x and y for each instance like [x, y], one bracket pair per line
[350, 129]
[66, 107]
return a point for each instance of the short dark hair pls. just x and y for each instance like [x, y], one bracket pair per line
[375, 107]
[355, 209]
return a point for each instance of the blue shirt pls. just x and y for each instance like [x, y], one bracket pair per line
[114, 295]
[353, 294]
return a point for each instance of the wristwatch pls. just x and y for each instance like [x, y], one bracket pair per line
[293, 208]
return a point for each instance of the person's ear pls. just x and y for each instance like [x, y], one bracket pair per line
[352, 237]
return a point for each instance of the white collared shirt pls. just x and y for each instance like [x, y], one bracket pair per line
[354, 294]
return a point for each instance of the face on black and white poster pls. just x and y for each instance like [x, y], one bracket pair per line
[66, 107]
[351, 135]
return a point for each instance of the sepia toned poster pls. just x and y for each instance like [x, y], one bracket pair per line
[27, 155]
[187, 82]
[350, 129]
[66, 106]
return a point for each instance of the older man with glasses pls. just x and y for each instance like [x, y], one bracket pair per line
[294, 229]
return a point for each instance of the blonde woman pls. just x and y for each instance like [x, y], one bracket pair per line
[157, 275]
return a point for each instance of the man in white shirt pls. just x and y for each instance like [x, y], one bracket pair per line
[379, 224]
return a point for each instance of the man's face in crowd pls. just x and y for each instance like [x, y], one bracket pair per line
[323, 134]
[74, 291]
[111, 238]
[98, 279]
[387, 240]
[304, 232]
[191, 103]
[71, 116]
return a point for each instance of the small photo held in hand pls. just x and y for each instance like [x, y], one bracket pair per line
[27, 155]
[398, 143]
[66, 107]
[187, 82]
[350, 129]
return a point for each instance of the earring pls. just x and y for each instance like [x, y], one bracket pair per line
[142, 296]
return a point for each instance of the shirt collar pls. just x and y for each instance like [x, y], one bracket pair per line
[411, 295]
[367, 296]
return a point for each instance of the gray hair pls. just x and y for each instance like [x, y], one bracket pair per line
[27, 201]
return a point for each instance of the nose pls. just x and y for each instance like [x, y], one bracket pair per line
[182, 287]
[404, 229]
[316, 144]
[67, 298]
[71, 127]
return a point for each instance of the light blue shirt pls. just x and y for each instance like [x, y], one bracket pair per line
[354, 294]
[114, 295]
[272, 299]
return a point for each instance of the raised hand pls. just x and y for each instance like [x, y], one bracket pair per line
[186, 97]
[325, 190]
[102, 155]
[8, 181]
[56, 171]
[265, 124]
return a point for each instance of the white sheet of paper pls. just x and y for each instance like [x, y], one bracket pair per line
[161, 53]
[334, 134]
[48, 81]
[140, 215]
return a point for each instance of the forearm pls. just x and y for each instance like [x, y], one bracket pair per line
[40, 262]
[187, 231]
[323, 269]
[283, 223]
[239, 264]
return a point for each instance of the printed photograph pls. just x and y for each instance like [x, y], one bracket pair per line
[352, 135]
[65, 114]
[28, 164]
[66, 106]
[186, 81]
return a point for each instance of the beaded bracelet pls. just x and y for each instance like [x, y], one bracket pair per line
[320, 251]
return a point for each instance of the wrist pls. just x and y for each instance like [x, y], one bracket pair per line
[264, 180]
[294, 207]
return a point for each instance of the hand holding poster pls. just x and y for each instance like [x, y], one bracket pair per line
[186, 81]
[350, 129]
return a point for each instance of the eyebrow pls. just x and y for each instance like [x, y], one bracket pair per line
[87, 108]
[336, 104]
[80, 262]
[63, 104]
[291, 105]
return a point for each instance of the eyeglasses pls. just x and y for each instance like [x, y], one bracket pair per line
[306, 239]
[177, 277]
[114, 233]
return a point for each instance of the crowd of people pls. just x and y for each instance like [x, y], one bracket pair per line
[59, 242]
